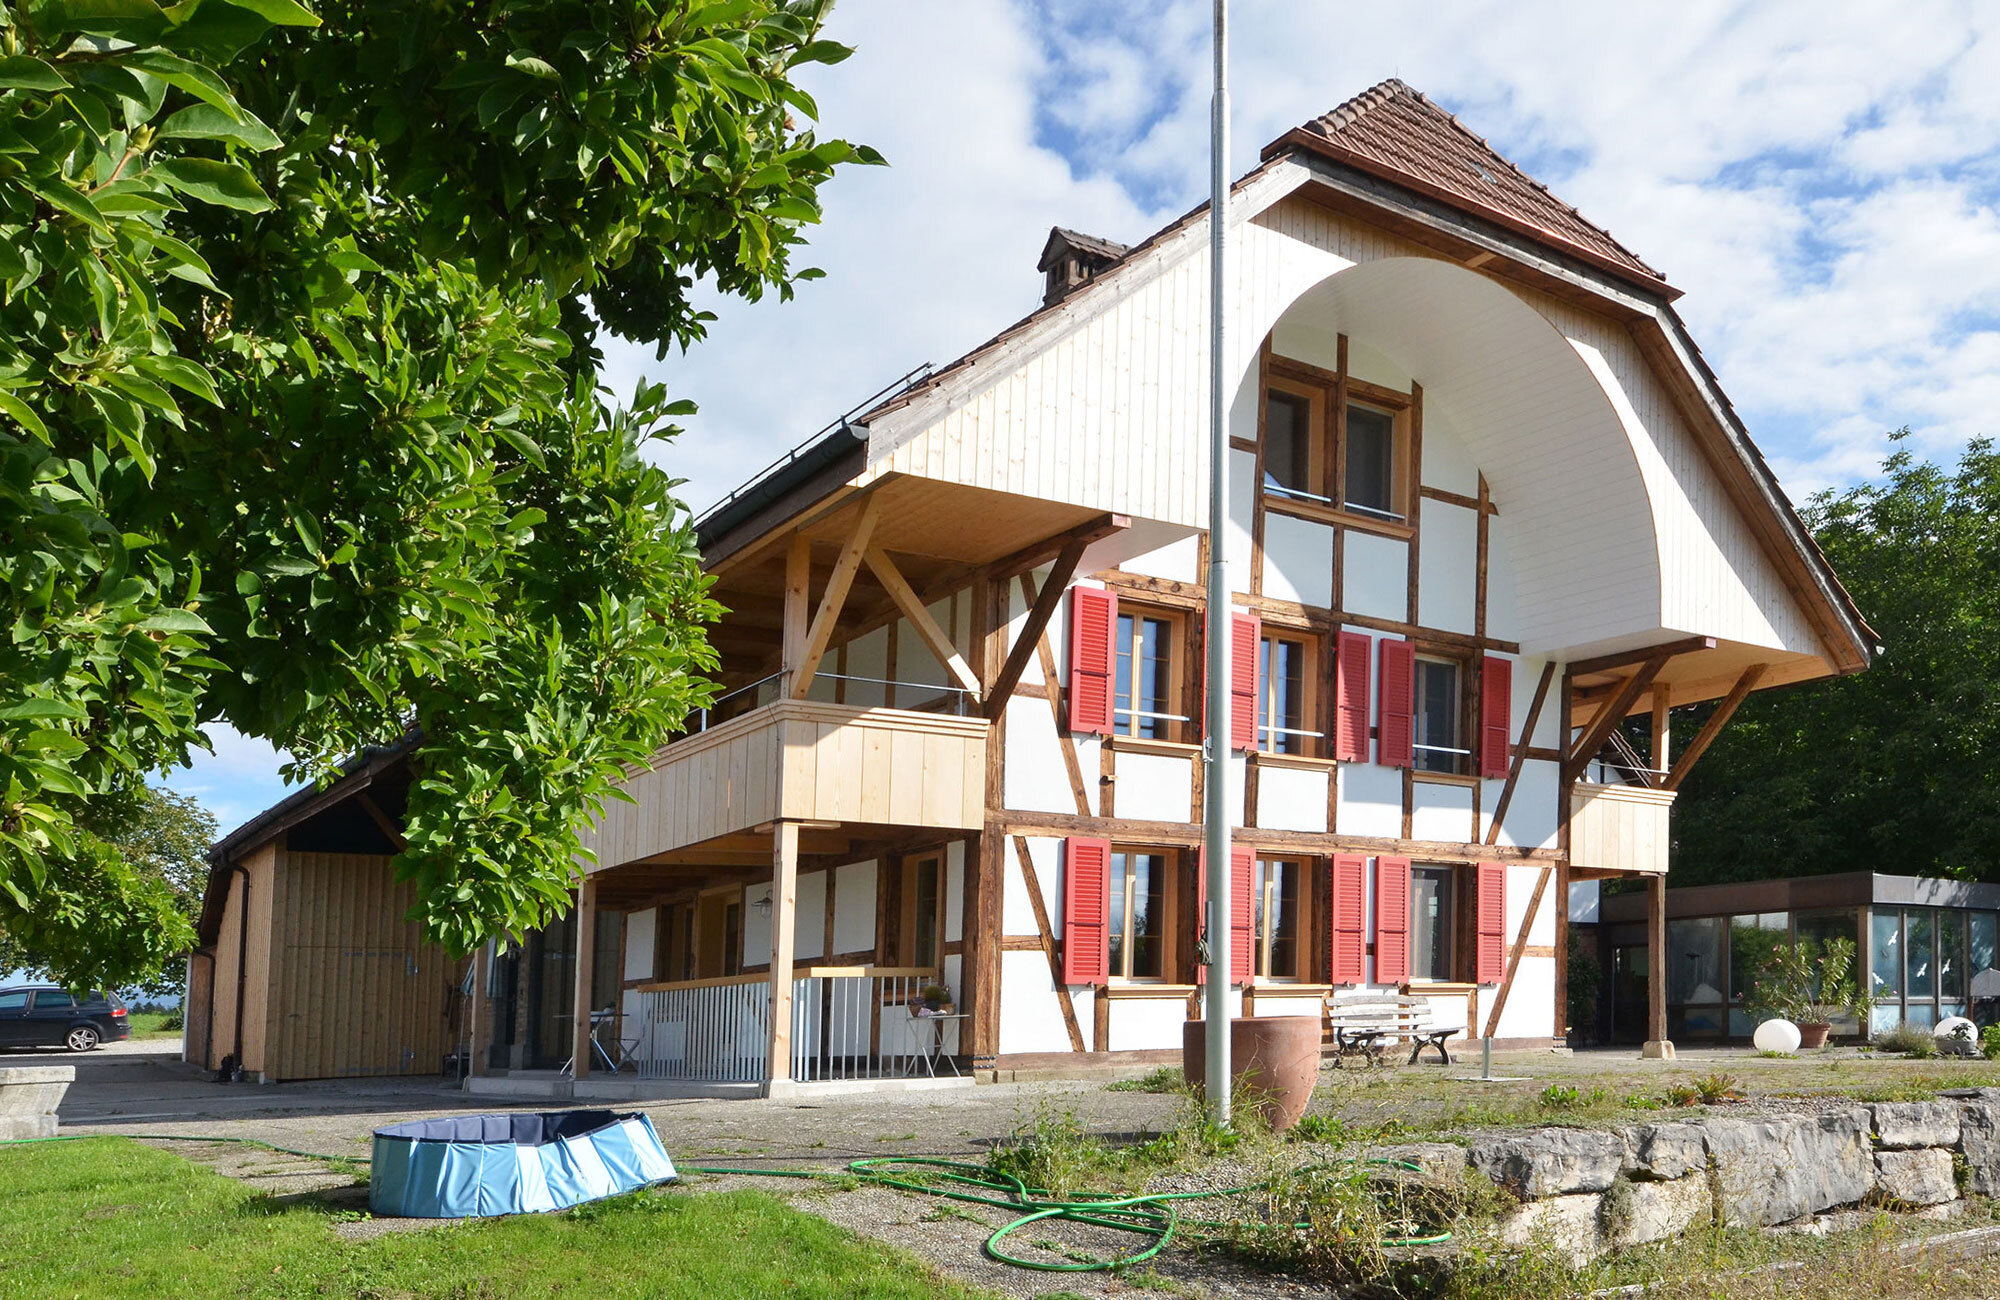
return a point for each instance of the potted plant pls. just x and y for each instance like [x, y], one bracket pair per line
[1810, 984]
[932, 1000]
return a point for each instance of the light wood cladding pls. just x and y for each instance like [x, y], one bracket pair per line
[1619, 827]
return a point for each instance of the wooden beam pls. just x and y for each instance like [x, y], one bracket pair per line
[381, 820]
[913, 608]
[1048, 942]
[1032, 555]
[1660, 759]
[1520, 946]
[1626, 658]
[797, 601]
[1520, 753]
[1609, 715]
[1039, 613]
[1713, 727]
[586, 967]
[784, 934]
[834, 597]
[1656, 962]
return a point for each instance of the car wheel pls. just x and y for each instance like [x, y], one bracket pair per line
[83, 1038]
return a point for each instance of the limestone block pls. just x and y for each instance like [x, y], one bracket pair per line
[1921, 1177]
[1773, 1171]
[1905, 1125]
[1567, 1225]
[1550, 1162]
[1667, 1151]
[1979, 1139]
[29, 1098]
[1639, 1212]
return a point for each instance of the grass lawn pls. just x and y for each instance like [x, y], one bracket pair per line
[110, 1218]
[147, 1024]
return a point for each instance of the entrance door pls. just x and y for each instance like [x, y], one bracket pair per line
[551, 960]
[1628, 994]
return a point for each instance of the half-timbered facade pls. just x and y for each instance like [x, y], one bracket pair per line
[1487, 504]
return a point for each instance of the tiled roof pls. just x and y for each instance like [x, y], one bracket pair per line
[1392, 131]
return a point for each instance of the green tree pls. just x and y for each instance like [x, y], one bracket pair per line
[299, 421]
[1893, 769]
[162, 840]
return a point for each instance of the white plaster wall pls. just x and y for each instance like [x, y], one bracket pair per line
[1036, 777]
[1175, 562]
[1298, 560]
[1375, 576]
[1371, 800]
[639, 930]
[1372, 366]
[1017, 911]
[1548, 725]
[1272, 1003]
[1531, 818]
[809, 939]
[756, 925]
[954, 892]
[1448, 567]
[1242, 499]
[854, 907]
[1239, 767]
[1291, 799]
[1030, 1016]
[1503, 610]
[1153, 787]
[1531, 1004]
[1139, 1024]
[1441, 812]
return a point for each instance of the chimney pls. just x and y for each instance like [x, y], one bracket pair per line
[1071, 259]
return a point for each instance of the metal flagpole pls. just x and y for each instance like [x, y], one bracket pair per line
[1215, 746]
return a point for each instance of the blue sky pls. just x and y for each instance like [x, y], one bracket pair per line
[1822, 179]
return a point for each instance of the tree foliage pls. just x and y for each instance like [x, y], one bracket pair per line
[1891, 770]
[299, 422]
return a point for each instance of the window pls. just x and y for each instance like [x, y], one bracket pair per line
[14, 1001]
[1285, 680]
[922, 910]
[1753, 941]
[1275, 901]
[53, 999]
[1437, 717]
[1371, 461]
[1137, 915]
[1289, 441]
[1920, 954]
[1147, 675]
[1430, 923]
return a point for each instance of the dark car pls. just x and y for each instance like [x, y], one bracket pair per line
[41, 1015]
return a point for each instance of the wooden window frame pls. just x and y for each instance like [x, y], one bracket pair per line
[1309, 708]
[1465, 766]
[906, 884]
[1303, 947]
[1463, 941]
[1327, 458]
[1120, 925]
[1175, 732]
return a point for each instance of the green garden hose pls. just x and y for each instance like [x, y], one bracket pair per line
[1153, 1216]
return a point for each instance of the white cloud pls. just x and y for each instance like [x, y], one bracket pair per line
[236, 782]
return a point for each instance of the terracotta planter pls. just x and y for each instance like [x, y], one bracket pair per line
[1275, 1060]
[1814, 1035]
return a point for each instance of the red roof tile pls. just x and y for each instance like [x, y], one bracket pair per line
[1392, 131]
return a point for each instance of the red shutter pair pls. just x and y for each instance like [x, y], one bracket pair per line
[1093, 654]
[1392, 920]
[1242, 918]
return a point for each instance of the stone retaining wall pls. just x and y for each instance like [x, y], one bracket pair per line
[29, 1095]
[1585, 1191]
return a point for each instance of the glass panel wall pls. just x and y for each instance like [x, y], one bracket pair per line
[1983, 961]
[1822, 927]
[1885, 969]
[1752, 940]
[1695, 979]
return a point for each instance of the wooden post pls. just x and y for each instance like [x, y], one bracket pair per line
[476, 1008]
[1657, 1048]
[586, 961]
[784, 926]
[798, 596]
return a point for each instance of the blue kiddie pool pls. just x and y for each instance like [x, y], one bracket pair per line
[476, 1165]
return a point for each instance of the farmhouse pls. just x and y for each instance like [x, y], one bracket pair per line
[1487, 502]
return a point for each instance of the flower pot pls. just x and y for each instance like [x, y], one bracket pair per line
[1274, 1059]
[1814, 1035]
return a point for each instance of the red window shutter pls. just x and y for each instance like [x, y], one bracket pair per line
[1350, 723]
[1242, 913]
[1496, 709]
[1086, 896]
[1490, 959]
[1392, 920]
[1350, 906]
[1395, 709]
[1245, 632]
[1093, 648]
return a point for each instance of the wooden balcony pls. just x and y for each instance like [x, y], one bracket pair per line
[1619, 827]
[800, 760]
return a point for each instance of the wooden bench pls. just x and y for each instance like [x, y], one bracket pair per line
[1366, 1024]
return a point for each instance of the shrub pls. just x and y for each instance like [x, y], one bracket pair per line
[1164, 1079]
[1680, 1094]
[1713, 1088]
[175, 1021]
[1914, 1040]
[1052, 1153]
[1989, 1042]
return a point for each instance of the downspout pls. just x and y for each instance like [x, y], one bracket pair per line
[242, 962]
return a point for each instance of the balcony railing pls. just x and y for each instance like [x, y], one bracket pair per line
[1617, 827]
